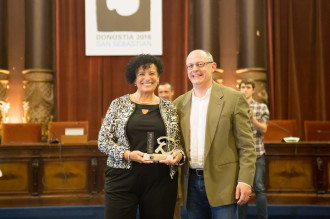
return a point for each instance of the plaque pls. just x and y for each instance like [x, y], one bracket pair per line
[160, 153]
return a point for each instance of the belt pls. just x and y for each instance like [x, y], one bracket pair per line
[198, 172]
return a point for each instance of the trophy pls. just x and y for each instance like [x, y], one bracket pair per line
[163, 155]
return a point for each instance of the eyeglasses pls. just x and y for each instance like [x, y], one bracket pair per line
[198, 64]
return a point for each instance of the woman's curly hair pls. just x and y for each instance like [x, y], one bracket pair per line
[144, 60]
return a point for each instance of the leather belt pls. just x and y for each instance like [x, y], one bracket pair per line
[198, 172]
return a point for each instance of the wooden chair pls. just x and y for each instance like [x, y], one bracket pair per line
[317, 130]
[57, 129]
[279, 129]
[21, 132]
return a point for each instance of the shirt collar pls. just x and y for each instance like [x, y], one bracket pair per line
[207, 94]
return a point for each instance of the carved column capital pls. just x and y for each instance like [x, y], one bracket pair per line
[38, 98]
[38, 75]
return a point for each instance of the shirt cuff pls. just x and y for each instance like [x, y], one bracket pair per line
[245, 184]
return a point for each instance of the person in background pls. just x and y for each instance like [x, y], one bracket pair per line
[218, 141]
[259, 116]
[132, 181]
[165, 91]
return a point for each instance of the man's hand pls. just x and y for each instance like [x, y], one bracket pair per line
[251, 113]
[243, 193]
[176, 159]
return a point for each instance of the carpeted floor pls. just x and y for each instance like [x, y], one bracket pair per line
[96, 212]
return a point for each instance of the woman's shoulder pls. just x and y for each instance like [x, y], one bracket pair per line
[124, 98]
[121, 102]
[166, 103]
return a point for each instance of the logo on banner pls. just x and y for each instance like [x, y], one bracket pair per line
[123, 27]
[123, 15]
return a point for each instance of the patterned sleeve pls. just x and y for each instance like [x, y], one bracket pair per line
[176, 133]
[107, 139]
[265, 114]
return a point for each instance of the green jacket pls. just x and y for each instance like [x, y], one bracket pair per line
[229, 155]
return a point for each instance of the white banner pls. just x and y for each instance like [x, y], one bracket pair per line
[123, 27]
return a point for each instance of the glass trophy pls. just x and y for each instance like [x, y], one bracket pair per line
[160, 153]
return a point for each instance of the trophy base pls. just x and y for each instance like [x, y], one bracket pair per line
[157, 157]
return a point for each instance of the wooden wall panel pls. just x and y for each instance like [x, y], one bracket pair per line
[65, 176]
[290, 175]
[15, 177]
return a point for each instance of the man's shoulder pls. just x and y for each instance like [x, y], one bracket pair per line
[227, 91]
[181, 98]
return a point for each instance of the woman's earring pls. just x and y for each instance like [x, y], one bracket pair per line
[134, 84]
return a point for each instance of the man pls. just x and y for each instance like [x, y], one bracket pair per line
[259, 116]
[218, 141]
[165, 91]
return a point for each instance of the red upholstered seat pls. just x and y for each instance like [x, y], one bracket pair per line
[279, 129]
[317, 130]
[21, 132]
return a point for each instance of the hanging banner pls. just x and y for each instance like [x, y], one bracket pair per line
[123, 27]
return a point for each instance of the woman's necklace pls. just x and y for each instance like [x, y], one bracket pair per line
[141, 102]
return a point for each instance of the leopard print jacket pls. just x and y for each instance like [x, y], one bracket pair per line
[113, 141]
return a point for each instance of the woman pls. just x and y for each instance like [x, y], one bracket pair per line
[131, 180]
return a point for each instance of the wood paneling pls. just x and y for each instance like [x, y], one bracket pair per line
[65, 176]
[297, 173]
[45, 175]
[15, 177]
[290, 175]
[51, 174]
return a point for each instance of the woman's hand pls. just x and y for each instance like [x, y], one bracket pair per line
[176, 159]
[136, 156]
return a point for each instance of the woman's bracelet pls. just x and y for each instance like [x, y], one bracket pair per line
[128, 155]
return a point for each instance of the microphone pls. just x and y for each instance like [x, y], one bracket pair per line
[285, 139]
[54, 139]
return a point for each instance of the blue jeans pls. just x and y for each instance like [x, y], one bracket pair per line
[198, 206]
[260, 190]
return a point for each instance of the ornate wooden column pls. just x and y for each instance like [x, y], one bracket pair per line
[4, 72]
[204, 27]
[38, 98]
[252, 40]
